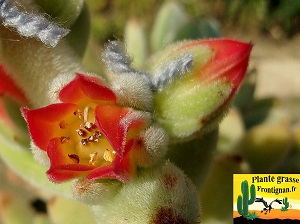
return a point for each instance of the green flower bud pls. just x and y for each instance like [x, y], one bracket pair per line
[195, 82]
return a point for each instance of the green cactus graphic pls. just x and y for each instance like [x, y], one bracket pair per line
[286, 204]
[244, 201]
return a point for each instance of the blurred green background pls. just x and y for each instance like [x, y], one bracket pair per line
[277, 18]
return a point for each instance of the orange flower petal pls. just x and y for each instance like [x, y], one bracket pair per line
[118, 125]
[43, 123]
[84, 89]
[63, 167]
[63, 173]
[121, 169]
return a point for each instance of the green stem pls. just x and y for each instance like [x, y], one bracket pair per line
[194, 157]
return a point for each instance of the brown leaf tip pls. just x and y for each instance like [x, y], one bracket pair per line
[167, 215]
[170, 180]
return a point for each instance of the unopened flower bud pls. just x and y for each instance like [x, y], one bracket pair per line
[195, 82]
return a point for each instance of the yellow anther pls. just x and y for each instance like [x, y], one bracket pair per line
[108, 156]
[93, 158]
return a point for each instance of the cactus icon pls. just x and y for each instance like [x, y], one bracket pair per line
[243, 201]
[286, 204]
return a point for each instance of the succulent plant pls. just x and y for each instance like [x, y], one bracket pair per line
[141, 142]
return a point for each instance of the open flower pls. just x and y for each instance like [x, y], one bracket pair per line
[88, 134]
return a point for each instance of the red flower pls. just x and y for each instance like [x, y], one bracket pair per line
[88, 134]
[9, 89]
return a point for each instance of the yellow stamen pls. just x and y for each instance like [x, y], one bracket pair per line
[91, 147]
[88, 112]
[78, 113]
[93, 158]
[81, 132]
[108, 156]
[64, 139]
[85, 113]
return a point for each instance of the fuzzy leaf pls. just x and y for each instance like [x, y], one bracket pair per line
[64, 11]
[135, 40]
[69, 211]
[21, 162]
[161, 194]
[21, 60]
[208, 28]
[170, 18]
[80, 31]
